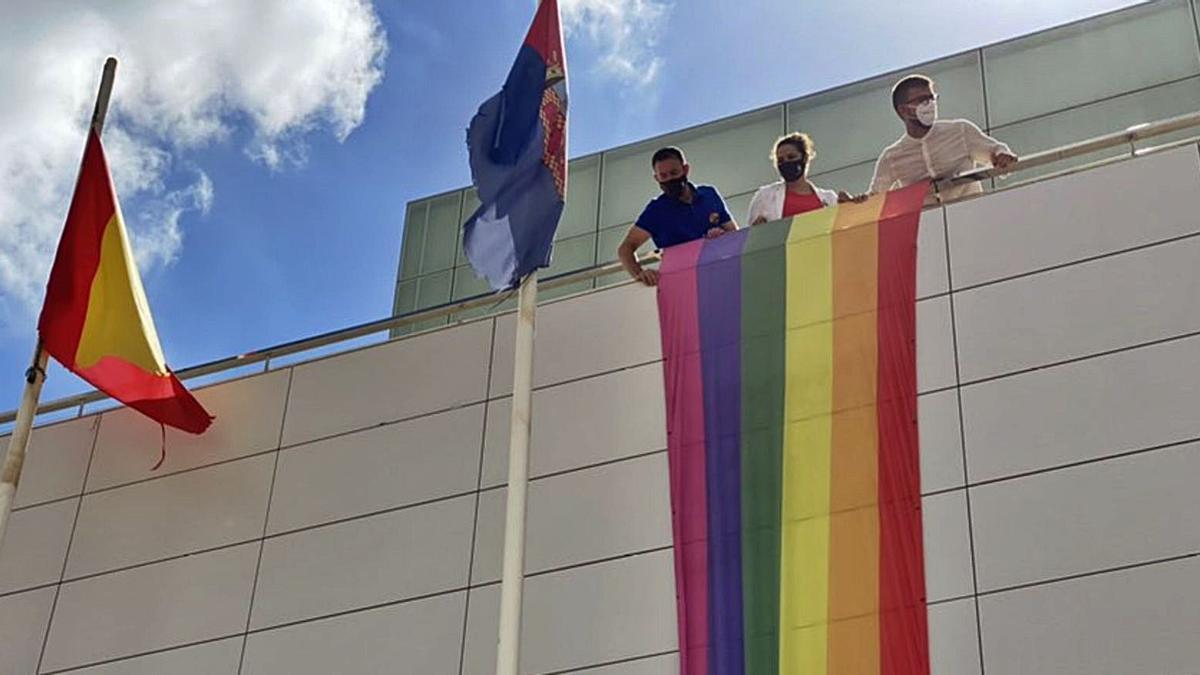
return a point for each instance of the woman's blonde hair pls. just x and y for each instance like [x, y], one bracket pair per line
[800, 140]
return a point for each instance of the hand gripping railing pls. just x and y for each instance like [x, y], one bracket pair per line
[1127, 137]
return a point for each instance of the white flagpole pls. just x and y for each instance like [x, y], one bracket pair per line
[14, 460]
[508, 653]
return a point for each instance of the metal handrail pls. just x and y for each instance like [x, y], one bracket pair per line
[343, 335]
[1128, 136]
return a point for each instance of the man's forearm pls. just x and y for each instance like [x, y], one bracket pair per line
[628, 258]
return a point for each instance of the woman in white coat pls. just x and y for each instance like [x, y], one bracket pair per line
[794, 193]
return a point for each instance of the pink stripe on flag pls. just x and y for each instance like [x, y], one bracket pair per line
[685, 449]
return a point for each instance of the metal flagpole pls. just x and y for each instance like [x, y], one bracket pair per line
[14, 460]
[512, 578]
[508, 652]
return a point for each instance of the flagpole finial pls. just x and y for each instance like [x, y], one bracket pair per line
[105, 93]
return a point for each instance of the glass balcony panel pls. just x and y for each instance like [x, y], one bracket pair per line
[853, 179]
[467, 285]
[470, 204]
[442, 235]
[611, 238]
[731, 155]
[583, 189]
[855, 123]
[405, 302]
[1078, 124]
[414, 239]
[572, 254]
[434, 289]
[406, 297]
[1073, 65]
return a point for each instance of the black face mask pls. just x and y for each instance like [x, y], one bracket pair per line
[793, 170]
[674, 187]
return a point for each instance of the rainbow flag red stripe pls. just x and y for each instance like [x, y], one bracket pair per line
[96, 321]
[790, 366]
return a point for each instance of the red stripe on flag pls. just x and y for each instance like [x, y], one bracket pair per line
[904, 645]
[161, 397]
[69, 288]
[545, 37]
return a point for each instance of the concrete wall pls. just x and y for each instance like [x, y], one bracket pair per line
[345, 515]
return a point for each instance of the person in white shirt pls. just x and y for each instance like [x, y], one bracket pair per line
[933, 148]
[794, 193]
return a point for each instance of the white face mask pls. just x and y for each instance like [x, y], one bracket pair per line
[927, 112]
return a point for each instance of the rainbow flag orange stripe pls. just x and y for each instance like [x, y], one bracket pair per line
[790, 366]
[95, 320]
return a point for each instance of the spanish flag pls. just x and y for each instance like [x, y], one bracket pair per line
[96, 321]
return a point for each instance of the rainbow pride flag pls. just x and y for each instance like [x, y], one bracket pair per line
[790, 372]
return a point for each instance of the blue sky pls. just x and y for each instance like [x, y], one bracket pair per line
[266, 175]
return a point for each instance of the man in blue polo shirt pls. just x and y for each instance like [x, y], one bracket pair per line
[683, 212]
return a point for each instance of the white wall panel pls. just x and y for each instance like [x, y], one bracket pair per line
[947, 546]
[1075, 311]
[584, 422]
[1143, 620]
[667, 664]
[605, 330]
[935, 345]
[394, 556]
[422, 374]
[56, 460]
[1084, 410]
[248, 414]
[1093, 517]
[23, 619]
[380, 468]
[1074, 217]
[581, 516]
[941, 441]
[419, 637]
[154, 607]
[211, 658]
[35, 545]
[171, 516]
[933, 277]
[580, 617]
[953, 638]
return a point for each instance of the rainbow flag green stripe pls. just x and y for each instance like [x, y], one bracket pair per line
[791, 397]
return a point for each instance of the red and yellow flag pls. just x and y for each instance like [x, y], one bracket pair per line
[96, 321]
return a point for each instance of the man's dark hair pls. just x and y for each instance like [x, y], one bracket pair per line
[669, 152]
[799, 140]
[900, 91]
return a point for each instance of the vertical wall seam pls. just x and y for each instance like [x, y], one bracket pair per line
[262, 542]
[1195, 26]
[462, 645]
[963, 442]
[70, 541]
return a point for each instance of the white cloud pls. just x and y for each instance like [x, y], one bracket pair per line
[626, 33]
[157, 238]
[191, 72]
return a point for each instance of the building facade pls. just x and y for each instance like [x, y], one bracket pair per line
[1035, 93]
[346, 514]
